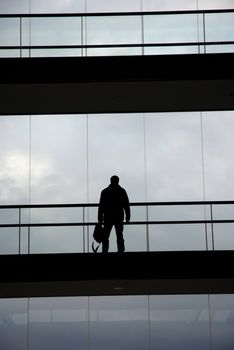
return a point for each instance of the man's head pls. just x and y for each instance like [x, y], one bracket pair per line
[114, 180]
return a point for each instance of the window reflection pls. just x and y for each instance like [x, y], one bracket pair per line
[179, 322]
[58, 323]
[119, 322]
[127, 322]
[13, 323]
[222, 321]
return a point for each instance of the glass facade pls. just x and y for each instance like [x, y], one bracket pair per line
[159, 157]
[130, 322]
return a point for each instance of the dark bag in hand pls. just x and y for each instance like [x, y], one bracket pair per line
[97, 236]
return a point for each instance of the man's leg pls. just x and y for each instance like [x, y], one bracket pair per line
[107, 230]
[120, 239]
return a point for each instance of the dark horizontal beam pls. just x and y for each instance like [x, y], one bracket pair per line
[117, 84]
[116, 69]
[129, 273]
[108, 14]
[132, 204]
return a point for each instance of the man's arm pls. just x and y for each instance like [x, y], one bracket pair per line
[101, 209]
[127, 207]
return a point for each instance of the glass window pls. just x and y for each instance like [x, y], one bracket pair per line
[62, 6]
[179, 322]
[215, 4]
[114, 30]
[219, 27]
[58, 323]
[56, 215]
[13, 324]
[223, 236]
[59, 159]
[10, 31]
[218, 128]
[55, 31]
[167, 5]
[55, 52]
[9, 240]
[120, 51]
[170, 28]
[176, 237]
[119, 322]
[9, 53]
[222, 321]
[116, 147]
[178, 212]
[173, 157]
[56, 239]
[14, 6]
[113, 5]
[14, 160]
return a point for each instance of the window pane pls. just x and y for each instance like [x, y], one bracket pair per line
[215, 4]
[113, 5]
[116, 146]
[218, 129]
[56, 215]
[120, 51]
[10, 31]
[14, 160]
[223, 236]
[13, 324]
[59, 163]
[119, 322]
[55, 31]
[178, 212]
[51, 6]
[159, 5]
[14, 6]
[173, 157]
[170, 28]
[175, 237]
[58, 323]
[219, 27]
[55, 52]
[56, 239]
[9, 240]
[222, 321]
[173, 50]
[179, 322]
[114, 30]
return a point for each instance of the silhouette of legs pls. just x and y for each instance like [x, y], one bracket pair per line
[119, 234]
[120, 239]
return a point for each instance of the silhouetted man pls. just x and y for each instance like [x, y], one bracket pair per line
[114, 203]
